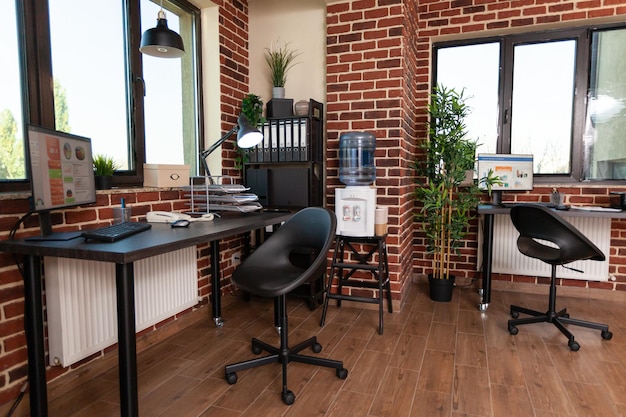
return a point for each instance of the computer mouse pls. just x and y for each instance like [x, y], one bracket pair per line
[180, 223]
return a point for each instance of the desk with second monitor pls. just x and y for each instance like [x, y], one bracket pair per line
[489, 211]
[161, 238]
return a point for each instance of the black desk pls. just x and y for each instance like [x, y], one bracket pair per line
[488, 211]
[158, 240]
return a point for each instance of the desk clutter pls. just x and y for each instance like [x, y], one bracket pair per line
[220, 193]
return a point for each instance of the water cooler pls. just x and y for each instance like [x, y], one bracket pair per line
[355, 205]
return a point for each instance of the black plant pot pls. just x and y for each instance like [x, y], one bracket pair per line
[441, 289]
[104, 182]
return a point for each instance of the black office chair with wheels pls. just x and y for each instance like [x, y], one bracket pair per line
[270, 271]
[535, 224]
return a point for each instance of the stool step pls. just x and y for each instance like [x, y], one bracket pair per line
[356, 266]
[362, 284]
[354, 298]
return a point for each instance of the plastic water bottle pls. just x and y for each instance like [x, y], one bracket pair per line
[356, 158]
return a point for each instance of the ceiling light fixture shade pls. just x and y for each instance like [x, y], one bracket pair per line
[247, 137]
[161, 41]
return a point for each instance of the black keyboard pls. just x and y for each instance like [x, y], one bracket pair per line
[116, 232]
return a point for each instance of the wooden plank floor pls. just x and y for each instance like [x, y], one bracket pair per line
[434, 359]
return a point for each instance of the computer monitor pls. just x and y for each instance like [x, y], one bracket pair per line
[60, 170]
[515, 171]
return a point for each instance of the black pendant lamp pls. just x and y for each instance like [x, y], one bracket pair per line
[161, 41]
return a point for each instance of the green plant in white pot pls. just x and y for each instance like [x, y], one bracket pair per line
[447, 206]
[280, 60]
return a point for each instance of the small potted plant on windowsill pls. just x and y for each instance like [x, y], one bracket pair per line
[104, 167]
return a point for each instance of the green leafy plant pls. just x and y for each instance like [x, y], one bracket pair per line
[489, 180]
[104, 165]
[280, 60]
[252, 108]
[447, 207]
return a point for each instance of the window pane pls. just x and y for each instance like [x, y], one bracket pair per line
[542, 104]
[480, 82]
[169, 102]
[11, 123]
[604, 144]
[89, 75]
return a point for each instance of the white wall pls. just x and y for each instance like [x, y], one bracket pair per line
[302, 24]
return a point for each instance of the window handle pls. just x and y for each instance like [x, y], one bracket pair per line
[506, 115]
[143, 84]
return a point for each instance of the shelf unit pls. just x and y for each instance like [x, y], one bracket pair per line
[286, 170]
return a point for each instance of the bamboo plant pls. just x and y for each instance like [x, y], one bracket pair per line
[447, 206]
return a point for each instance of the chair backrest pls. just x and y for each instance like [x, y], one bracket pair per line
[534, 221]
[270, 270]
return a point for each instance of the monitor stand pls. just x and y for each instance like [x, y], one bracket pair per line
[45, 225]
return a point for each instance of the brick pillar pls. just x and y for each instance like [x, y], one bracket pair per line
[371, 76]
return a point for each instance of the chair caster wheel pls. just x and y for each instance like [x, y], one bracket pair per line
[256, 350]
[514, 314]
[573, 345]
[342, 373]
[316, 347]
[231, 378]
[607, 335]
[288, 397]
[513, 330]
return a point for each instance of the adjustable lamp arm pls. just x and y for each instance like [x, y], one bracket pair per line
[205, 154]
[247, 137]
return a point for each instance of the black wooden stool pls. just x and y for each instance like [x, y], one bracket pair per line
[379, 271]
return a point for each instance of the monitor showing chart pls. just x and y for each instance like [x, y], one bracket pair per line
[60, 170]
[515, 171]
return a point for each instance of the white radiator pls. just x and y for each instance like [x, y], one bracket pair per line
[81, 302]
[507, 259]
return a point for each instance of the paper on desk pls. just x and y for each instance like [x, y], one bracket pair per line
[595, 208]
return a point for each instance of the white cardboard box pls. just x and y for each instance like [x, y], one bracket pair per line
[162, 175]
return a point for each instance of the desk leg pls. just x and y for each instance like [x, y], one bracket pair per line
[487, 260]
[33, 317]
[216, 295]
[127, 344]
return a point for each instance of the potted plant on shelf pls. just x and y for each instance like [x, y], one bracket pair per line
[104, 167]
[447, 206]
[280, 60]
[252, 108]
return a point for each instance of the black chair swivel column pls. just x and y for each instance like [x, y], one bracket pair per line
[535, 224]
[270, 271]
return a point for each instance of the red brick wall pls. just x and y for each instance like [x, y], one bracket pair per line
[473, 18]
[234, 73]
[233, 34]
[369, 87]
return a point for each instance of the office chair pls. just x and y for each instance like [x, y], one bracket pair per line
[270, 271]
[536, 223]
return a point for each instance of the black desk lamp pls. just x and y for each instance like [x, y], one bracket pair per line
[247, 137]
